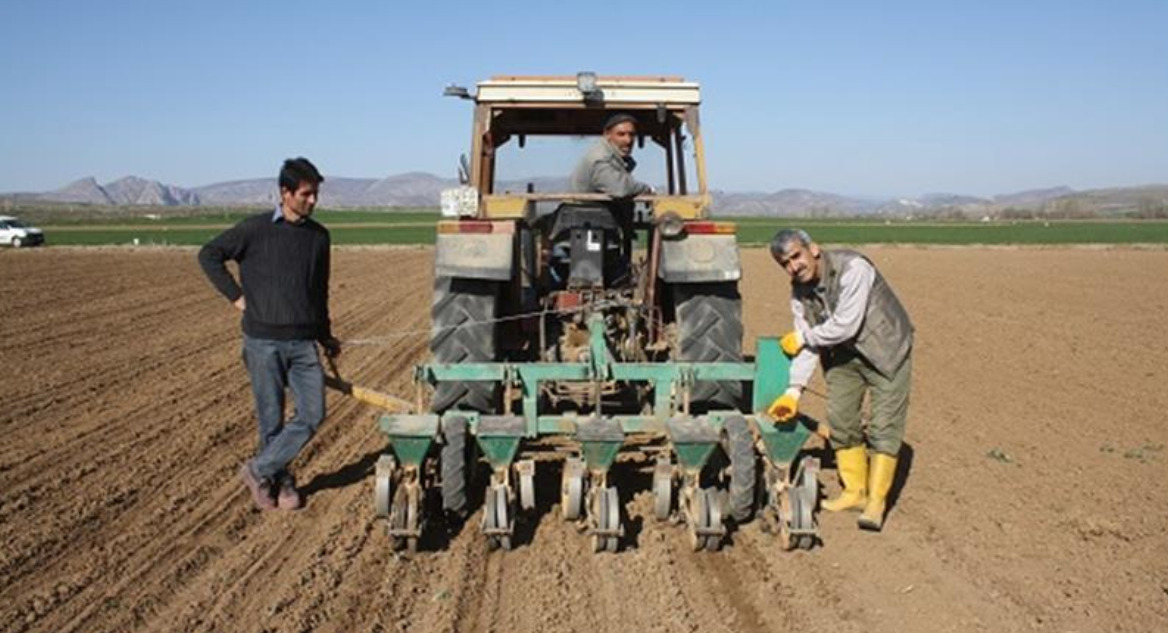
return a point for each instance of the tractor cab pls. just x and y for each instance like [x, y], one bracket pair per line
[557, 117]
[515, 218]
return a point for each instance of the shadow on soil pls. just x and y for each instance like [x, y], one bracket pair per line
[442, 528]
[346, 476]
[904, 466]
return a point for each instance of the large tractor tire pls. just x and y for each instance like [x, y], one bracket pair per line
[463, 331]
[709, 324]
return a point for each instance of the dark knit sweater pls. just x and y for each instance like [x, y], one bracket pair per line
[284, 271]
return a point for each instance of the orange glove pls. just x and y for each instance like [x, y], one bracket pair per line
[784, 408]
[792, 343]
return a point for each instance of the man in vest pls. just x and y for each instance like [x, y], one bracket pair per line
[847, 317]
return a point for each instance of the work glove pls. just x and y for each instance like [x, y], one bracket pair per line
[784, 408]
[792, 343]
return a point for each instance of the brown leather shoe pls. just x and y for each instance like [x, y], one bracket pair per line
[289, 497]
[260, 488]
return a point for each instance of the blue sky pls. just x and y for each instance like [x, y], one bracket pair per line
[861, 98]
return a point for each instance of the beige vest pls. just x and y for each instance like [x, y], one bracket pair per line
[886, 335]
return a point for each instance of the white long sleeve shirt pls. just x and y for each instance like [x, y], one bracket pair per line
[856, 280]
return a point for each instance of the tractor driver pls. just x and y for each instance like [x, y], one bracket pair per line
[847, 317]
[607, 166]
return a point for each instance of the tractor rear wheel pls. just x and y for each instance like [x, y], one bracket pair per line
[463, 331]
[709, 322]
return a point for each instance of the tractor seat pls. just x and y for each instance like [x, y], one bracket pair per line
[571, 215]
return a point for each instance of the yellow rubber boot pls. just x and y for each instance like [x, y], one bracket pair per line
[880, 475]
[852, 464]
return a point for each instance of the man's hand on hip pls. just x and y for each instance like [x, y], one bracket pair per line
[240, 303]
[332, 347]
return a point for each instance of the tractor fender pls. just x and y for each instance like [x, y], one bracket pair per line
[700, 258]
[485, 254]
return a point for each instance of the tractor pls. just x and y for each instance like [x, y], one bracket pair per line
[573, 330]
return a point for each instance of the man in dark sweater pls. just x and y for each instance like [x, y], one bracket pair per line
[283, 258]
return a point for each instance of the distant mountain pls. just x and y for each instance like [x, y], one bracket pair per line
[1148, 201]
[85, 191]
[949, 200]
[404, 190]
[416, 189]
[791, 202]
[134, 190]
[413, 189]
[1032, 197]
[130, 190]
[242, 192]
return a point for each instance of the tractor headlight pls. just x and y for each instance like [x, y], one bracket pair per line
[586, 84]
[670, 224]
[460, 202]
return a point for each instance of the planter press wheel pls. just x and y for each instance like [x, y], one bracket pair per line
[571, 494]
[714, 541]
[707, 515]
[662, 496]
[606, 504]
[495, 517]
[383, 487]
[526, 491]
[808, 492]
[404, 517]
[797, 509]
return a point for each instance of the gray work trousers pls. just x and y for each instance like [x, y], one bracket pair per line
[849, 376]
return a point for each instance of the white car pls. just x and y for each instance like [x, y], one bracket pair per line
[14, 233]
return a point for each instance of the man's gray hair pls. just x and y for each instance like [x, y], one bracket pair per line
[784, 238]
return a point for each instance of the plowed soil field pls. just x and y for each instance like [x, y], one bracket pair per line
[1035, 496]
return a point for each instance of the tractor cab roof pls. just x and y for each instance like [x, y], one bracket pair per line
[549, 107]
[578, 106]
[589, 90]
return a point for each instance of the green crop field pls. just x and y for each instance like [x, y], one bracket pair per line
[165, 236]
[416, 226]
[760, 231]
[349, 226]
[229, 217]
[152, 236]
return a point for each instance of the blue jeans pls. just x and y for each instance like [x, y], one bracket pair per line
[274, 366]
